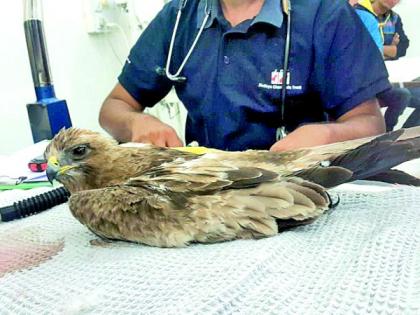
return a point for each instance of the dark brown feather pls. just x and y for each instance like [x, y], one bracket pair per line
[396, 177]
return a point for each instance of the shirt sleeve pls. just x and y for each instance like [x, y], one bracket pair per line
[404, 41]
[349, 68]
[139, 75]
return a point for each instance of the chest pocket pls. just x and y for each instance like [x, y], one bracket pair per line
[302, 105]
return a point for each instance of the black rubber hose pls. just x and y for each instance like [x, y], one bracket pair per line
[34, 204]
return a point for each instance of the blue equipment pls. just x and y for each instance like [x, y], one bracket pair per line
[48, 114]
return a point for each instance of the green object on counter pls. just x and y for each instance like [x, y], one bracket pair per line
[25, 186]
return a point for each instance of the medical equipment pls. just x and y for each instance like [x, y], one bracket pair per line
[38, 164]
[34, 204]
[48, 114]
[281, 131]
[176, 77]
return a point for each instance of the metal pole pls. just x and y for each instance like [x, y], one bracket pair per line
[49, 114]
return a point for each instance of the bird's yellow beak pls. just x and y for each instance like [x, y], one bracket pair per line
[54, 169]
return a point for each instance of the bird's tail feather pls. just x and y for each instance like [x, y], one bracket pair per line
[276, 206]
[367, 161]
[395, 177]
[379, 155]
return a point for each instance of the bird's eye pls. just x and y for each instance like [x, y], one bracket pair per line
[79, 151]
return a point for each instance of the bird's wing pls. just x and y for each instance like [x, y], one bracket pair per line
[121, 212]
[334, 164]
[204, 202]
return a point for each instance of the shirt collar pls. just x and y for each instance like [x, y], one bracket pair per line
[270, 13]
[215, 12]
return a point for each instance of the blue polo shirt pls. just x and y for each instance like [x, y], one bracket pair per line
[234, 75]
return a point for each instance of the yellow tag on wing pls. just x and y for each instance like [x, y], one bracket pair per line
[197, 150]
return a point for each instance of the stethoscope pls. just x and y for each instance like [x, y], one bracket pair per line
[176, 77]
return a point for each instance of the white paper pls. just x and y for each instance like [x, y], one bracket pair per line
[16, 165]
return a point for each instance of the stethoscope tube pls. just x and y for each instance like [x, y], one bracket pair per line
[176, 77]
[287, 8]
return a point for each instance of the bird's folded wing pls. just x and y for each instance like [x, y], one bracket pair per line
[161, 190]
[211, 185]
[187, 184]
[220, 202]
[203, 175]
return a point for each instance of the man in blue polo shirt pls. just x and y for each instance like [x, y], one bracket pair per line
[234, 76]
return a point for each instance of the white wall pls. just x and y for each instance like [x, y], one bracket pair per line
[409, 11]
[83, 66]
[83, 69]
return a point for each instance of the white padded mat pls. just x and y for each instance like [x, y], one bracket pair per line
[363, 257]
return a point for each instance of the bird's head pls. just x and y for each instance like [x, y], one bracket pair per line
[77, 156]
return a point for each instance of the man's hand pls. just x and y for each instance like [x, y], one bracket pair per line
[390, 51]
[122, 116]
[396, 39]
[302, 137]
[149, 129]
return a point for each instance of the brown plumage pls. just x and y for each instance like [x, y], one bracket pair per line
[169, 198]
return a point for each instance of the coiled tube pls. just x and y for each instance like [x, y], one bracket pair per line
[34, 204]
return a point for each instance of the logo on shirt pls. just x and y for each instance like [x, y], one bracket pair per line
[277, 77]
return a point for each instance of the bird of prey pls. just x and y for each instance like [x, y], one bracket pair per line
[171, 198]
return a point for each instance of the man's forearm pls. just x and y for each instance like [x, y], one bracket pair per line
[320, 134]
[348, 127]
[358, 127]
[364, 120]
[116, 117]
[390, 51]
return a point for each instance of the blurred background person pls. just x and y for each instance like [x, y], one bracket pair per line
[386, 29]
[395, 40]
[396, 43]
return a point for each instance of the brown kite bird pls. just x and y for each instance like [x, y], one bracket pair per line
[171, 198]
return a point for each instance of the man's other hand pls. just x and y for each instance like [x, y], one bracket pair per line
[149, 129]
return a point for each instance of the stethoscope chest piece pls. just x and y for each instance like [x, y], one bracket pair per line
[281, 133]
